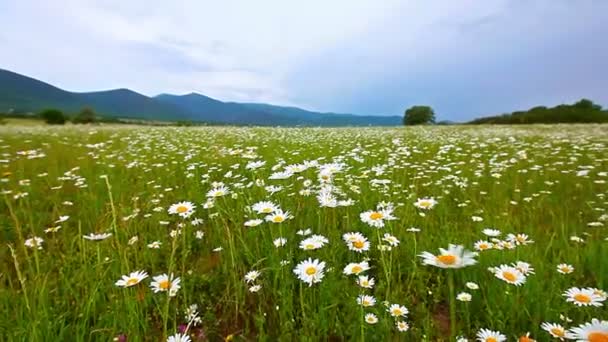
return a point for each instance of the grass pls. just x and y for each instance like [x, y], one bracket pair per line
[122, 180]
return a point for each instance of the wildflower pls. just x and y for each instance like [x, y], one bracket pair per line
[365, 300]
[183, 209]
[376, 218]
[163, 282]
[133, 278]
[482, 245]
[251, 276]
[179, 338]
[402, 326]
[265, 207]
[253, 223]
[464, 297]
[397, 310]
[62, 219]
[425, 203]
[255, 288]
[313, 242]
[454, 257]
[370, 318]
[218, 192]
[582, 297]
[279, 242]
[594, 331]
[97, 237]
[35, 242]
[365, 282]
[356, 242]
[472, 286]
[510, 275]
[154, 245]
[565, 268]
[485, 335]
[356, 268]
[310, 271]
[278, 216]
[491, 232]
[555, 330]
[391, 240]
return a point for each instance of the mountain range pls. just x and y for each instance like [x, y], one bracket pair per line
[22, 94]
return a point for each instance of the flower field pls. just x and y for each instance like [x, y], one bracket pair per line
[451, 233]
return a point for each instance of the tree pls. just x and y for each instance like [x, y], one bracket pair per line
[419, 115]
[85, 116]
[53, 117]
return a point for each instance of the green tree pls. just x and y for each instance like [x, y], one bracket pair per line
[53, 117]
[419, 115]
[85, 116]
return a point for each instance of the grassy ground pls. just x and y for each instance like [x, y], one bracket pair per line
[544, 181]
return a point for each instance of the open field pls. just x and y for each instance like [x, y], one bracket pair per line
[182, 202]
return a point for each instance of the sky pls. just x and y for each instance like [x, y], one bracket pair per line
[465, 58]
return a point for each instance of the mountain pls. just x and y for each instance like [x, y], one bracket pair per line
[24, 94]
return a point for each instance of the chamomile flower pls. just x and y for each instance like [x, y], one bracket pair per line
[365, 282]
[253, 223]
[486, 335]
[464, 297]
[376, 218]
[251, 276]
[132, 279]
[510, 275]
[313, 242]
[565, 268]
[491, 232]
[472, 286]
[483, 245]
[397, 310]
[556, 330]
[179, 338]
[365, 300]
[97, 237]
[582, 297]
[356, 268]
[402, 326]
[265, 207]
[594, 331]
[370, 318]
[391, 240]
[183, 209]
[279, 242]
[35, 242]
[310, 271]
[356, 242]
[218, 192]
[164, 282]
[454, 257]
[426, 203]
[278, 216]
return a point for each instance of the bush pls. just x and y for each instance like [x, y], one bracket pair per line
[85, 116]
[53, 117]
[419, 115]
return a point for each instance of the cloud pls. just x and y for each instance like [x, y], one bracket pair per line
[465, 58]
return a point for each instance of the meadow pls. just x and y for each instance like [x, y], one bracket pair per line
[452, 233]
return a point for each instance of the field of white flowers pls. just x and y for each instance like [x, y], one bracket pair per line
[285, 234]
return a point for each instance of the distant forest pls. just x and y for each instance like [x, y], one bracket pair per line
[580, 112]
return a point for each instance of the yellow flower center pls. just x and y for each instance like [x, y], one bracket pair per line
[182, 209]
[278, 219]
[598, 336]
[565, 269]
[509, 276]
[164, 284]
[397, 312]
[309, 246]
[357, 269]
[583, 298]
[358, 244]
[558, 332]
[267, 210]
[491, 339]
[366, 302]
[376, 215]
[132, 281]
[364, 283]
[311, 270]
[425, 204]
[447, 259]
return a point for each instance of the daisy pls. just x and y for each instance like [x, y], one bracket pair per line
[402, 326]
[464, 297]
[132, 279]
[376, 218]
[251, 276]
[313, 242]
[304, 232]
[594, 331]
[510, 275]
[519, 239]
[154, 245]
[366, 282]
[425, 203]
[391, 240]
[582, 297]
[454, 257]
[97, 237]
[472, 286]
[253, 223]
[365, 300]
[218, 192]
[279, 242]
[525, 268]
[565, 268]
[397, 310]
[62, 219]
[485, 335]
[183, 209]
[356, 268]
[555, 330]
[265, 207]
[179, 338]
[35, 242]
[255, 288]
[356, 242]
[163, 282]
[310, 271]
[482, 245]
[491, 232]
[370, 318]
[278, 216]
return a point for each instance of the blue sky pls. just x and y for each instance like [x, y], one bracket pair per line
[465, 58]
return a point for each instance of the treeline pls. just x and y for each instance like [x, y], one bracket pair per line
[583, 111]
